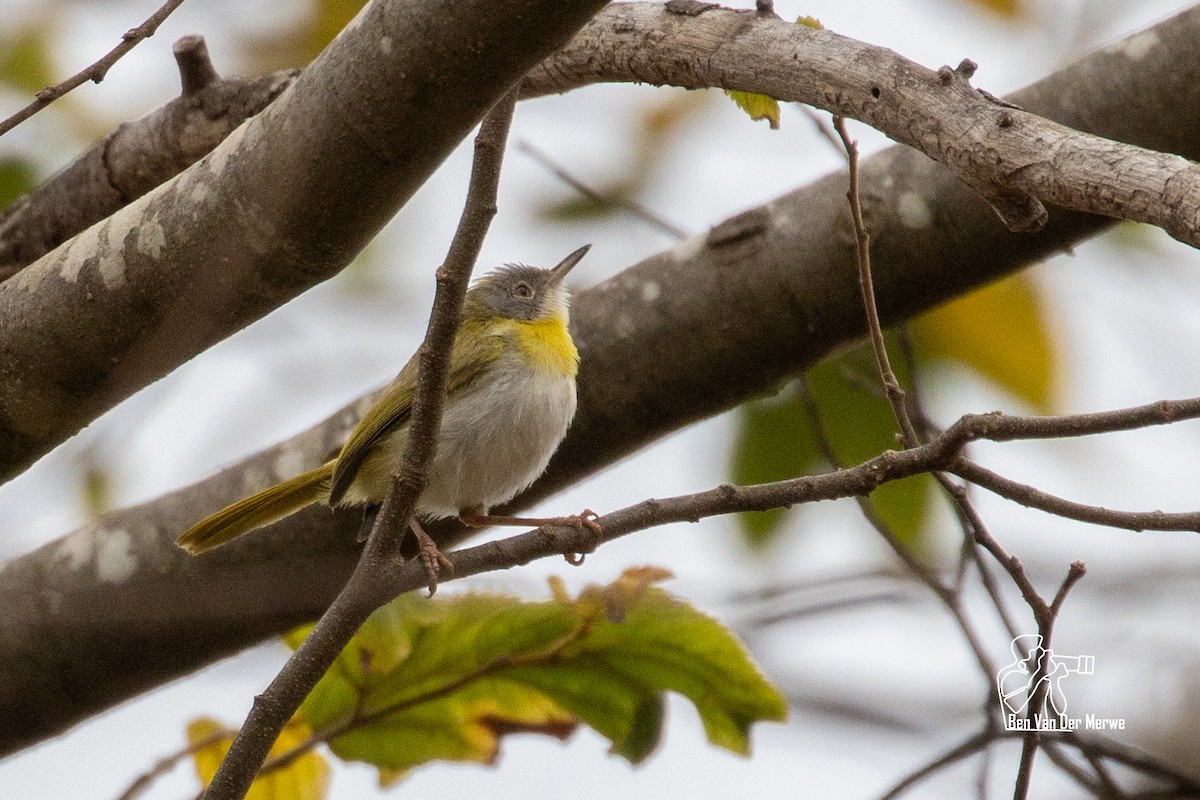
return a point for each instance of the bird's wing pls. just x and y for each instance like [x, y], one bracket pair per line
[393, 409]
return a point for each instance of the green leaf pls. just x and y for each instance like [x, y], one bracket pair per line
[774, 442]
[1001, 331]
[758, 106]
[17, 177]
[779, 440]
[25, 62]
[448, 678]
[666, 644]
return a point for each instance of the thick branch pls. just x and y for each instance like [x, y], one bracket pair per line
[283, 203]
[1014, 159]
[763, 295]
[135, 158]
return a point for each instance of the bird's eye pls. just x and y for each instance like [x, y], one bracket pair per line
[523, 290]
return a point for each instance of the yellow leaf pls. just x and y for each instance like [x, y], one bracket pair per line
[758, 106]
[329, 18]
[810, 22]
[1005, 8]
[1001, 331]
[615, 599]
[305, 778]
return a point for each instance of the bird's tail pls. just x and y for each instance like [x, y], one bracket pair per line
[269, 505]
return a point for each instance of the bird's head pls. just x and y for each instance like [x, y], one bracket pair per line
[518, 291]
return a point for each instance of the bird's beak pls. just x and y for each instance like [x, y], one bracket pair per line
[563, 267]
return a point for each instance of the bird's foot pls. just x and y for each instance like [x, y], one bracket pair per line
[585, 520]
[433, 560]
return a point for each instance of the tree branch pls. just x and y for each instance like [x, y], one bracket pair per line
[136, 157]
[1043, 501]
[757, 308]
[96, 71]
[278, 207]
[1013, 158]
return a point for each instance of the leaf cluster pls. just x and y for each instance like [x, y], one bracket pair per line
[448, 678]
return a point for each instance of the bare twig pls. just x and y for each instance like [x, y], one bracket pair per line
[1098, 747]
[96, 71]
[1039, 685]
[1036, 498]
[950, 597]
[966, 748]
[862, 237]
[167, 763]
[371, 584]
[196, 70]
[634, 209]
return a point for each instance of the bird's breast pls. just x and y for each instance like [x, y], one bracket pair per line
[498, 434]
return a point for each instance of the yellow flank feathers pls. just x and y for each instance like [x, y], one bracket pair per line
[547, 344]
[269, 505]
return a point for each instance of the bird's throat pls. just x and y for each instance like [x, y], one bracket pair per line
[547, 344]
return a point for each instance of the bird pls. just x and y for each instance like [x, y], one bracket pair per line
[509, 400]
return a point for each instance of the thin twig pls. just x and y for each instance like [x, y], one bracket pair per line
[1120, 753]
[949, 597]
[96, 72]
[966, 748]
[167, 763]
[818, 121]
[1040, 684]
[977, 533]
[1043, 501]
[1101, 785]
[862, 241]
[635, 209]
[371, 583]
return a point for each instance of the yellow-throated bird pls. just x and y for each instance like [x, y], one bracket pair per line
[510, 398]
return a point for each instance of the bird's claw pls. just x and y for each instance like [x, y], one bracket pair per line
[432, 559]
[586, 519]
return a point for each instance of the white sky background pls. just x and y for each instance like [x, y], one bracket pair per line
[1128, 320]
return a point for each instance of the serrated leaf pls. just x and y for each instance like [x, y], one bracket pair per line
[465, 725]
[778, 440]
[467, 670]
[758, 106]
[305, 778]
[665, 643]
[1002, 332]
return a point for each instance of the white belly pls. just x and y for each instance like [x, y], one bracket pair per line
[488, 449]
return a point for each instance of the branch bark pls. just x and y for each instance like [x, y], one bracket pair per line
[114, 609]
[283, 203]
[1013, 158]
[136, 157]
[97, 70]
